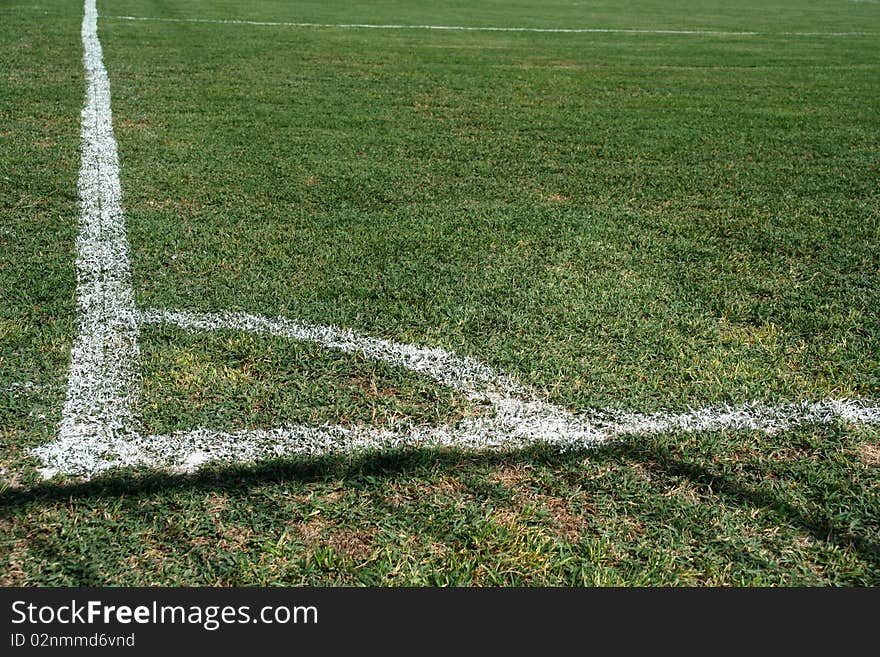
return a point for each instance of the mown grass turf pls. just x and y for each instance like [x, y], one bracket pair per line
[643, 221]
[798, 509]
[626, 220]
[41, 94]
[237, 381]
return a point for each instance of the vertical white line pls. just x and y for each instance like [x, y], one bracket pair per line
[98, 420]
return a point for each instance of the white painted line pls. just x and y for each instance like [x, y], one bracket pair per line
[467, 28]
[516, 416]
[457, 372]
[516, 424]
[24, 387]
[98, 418]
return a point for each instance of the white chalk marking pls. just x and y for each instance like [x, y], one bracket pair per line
[463, 374]
[516, 417]
[23, 385]
[477, 28]
[99, 428]
[27, 387]
[516, 424]
[98, 419]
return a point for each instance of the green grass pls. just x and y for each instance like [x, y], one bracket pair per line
[41, 94]
[795, 510]
[242, 381]
[642, 221]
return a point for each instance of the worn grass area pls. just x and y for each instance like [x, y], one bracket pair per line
[643, 221]
[796, 510]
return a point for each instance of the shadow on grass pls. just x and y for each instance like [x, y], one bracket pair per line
[821, 529]
[365, 470]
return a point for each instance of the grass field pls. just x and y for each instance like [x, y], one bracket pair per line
[680, 212]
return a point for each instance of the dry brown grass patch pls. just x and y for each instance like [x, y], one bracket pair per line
[128, 123]
[686, 490]
[438, 550]
[312, 529]
[566, 524]
[870, 454]
[331, 497]
[513, 476]
[235, 536]
[804, 542]
[319, 497]
[405, 493]
[356, 544]
[13, 573]
[506, 517]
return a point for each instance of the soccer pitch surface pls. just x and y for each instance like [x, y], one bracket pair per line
[428, 293]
